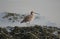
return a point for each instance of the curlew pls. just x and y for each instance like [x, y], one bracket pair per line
[29, 18]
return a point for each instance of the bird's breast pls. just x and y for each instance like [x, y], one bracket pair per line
[32, 18]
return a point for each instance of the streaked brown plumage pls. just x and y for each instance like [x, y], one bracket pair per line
[28, 18]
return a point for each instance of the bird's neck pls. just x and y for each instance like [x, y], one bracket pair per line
[32, 14]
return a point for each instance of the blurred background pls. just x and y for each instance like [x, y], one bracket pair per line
[49, 11]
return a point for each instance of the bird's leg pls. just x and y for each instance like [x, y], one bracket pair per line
[28, 23]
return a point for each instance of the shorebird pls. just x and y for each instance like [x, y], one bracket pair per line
[29, 18]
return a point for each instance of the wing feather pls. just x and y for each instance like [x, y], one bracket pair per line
[27, 18]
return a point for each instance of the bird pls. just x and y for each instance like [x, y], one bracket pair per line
[29, 18]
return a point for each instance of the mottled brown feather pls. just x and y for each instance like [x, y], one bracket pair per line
[27, 18]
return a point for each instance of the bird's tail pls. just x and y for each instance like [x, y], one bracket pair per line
[21, 21]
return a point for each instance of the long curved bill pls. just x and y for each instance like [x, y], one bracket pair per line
[37, 13]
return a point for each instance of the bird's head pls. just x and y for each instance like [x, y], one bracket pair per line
[32, 13]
